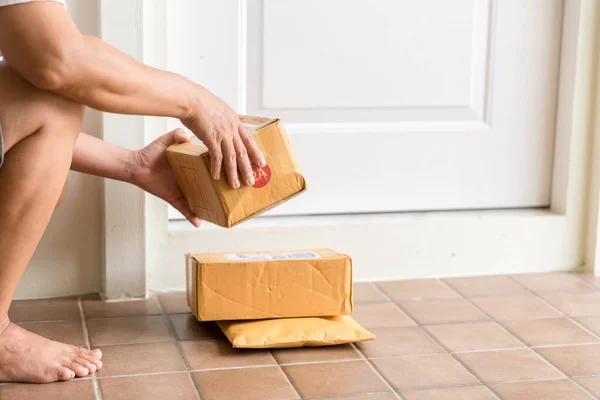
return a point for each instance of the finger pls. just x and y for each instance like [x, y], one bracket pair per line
[230, 160]
[216, 159]
[255, 153]
[180, 136]
[175, 136]
[243, 162]
[184, 208]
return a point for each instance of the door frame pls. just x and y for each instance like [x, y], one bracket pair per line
[144, 250]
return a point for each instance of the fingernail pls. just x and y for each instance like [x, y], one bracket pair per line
[251, 181]
[262, 162]
[236, 184]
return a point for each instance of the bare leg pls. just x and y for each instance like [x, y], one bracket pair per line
[39, 131]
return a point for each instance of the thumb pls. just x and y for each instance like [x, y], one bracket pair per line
[175, 136]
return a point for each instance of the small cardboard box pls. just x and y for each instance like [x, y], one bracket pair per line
[215, 201]
[238, 286]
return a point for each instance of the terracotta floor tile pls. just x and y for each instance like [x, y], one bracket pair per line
[149, 387]
[589, 278]
[474, 336]
[548, 331]
[174, 302]
[417, 289]
[136, 359]
[392, 342]
[515, 306]
[584, 302]
[591, 383]
[508, 365]
[381, 315]
[315, 354]
[330, 379]
[188, 327]
[370, 396]
[551, 281]
[81, 389]
[424, 372]
[366, 293]
[485, 285]
[210, 353]
[69, 331]
[574, 360]
[44, 310]
[427, 312]
[591, 322]
[461, 393]
[103, 309]
[149, 329]
[268, 383]
[562, 389]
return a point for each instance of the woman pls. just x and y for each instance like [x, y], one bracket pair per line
[49, 72]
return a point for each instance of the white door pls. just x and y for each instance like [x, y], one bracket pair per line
[391, 105]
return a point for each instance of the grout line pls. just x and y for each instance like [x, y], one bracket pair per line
[190, 371]
[569, 318]
[173, 333]
[587, 376]
[435, 340]
[322, 362]
[550, 346]
[376, 371]
[345, 396]
[144, 374]
[287, 376]
[97, 391]
[44, 321]
[488, 385]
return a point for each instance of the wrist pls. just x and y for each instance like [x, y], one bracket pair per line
[131, 167]
[193, 103]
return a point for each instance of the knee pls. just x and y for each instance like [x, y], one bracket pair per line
[27, 110]
[67, 114]
[63, 194]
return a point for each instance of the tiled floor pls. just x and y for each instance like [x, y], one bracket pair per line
[523, 337]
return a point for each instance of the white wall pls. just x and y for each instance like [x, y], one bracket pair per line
[68, 260]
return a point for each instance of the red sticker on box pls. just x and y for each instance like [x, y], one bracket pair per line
[262, 176]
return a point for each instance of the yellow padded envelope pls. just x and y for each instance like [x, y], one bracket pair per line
[294, 332]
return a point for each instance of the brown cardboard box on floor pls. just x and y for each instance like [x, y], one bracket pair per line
[216, 201]
[241, 286]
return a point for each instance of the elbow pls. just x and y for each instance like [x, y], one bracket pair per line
[56, 70]
[51, 78]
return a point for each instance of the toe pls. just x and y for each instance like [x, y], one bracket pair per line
[65, 374]
[96, 354]
[94, 358]
[90, 366]
[79, 369]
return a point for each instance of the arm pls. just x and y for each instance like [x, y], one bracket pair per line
[42, 44]
[148, 168]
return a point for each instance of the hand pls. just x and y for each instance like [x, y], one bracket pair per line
[151, 171]
[221, 130]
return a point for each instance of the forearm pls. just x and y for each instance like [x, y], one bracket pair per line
[106, 79]
[97, 157]
[42, 44]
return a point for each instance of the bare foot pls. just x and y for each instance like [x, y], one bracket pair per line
[27, 357]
